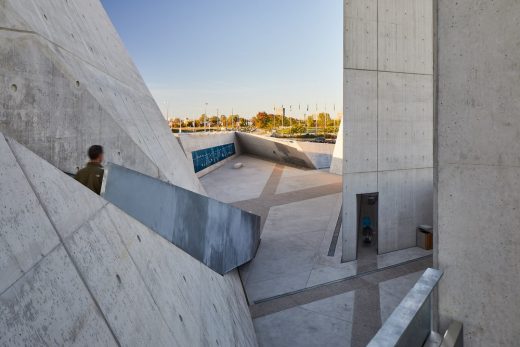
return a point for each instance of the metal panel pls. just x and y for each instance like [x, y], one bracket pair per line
[410, 323]
[219, 235]
[206, 157]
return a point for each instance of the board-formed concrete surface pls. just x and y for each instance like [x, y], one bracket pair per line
[192, 142]
[388, 118]
[219, 235]
[75, 270]
[478, 178]
[68, 83]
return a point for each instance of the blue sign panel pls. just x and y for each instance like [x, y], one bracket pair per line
[209, 156]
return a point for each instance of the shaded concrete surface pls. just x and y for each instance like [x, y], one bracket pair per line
[219, 235]
[478, 181]
[287, 152]
[75, 270]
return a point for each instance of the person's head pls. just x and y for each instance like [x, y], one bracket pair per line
[95, 153]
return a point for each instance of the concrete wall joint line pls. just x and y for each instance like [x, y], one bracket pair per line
[30, 269]
[98, 307]
[389, 71]
[393, 170]
[145, 283]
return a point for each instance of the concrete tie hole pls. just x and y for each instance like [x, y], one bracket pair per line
[77, 84]
[14, 88]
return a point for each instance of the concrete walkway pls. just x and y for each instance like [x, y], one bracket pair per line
[297, 283]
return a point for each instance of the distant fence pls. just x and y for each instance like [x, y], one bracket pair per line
[219, 235]
[204, 158]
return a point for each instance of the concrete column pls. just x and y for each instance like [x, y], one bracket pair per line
[388, 117]
[478, 178]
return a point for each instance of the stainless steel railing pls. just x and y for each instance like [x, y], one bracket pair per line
[410, 324]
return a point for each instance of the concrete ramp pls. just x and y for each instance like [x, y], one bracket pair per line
[219, 235]
[287, 152]
[76, 270]
[68, 83]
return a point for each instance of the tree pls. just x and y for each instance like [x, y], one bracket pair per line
[323, 119]
[310, 121]
[213, 121]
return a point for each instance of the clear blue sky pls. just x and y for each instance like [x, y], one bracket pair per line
[246, 55]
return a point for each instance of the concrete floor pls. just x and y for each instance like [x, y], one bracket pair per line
[300, 252]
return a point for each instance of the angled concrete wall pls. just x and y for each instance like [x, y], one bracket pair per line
[67, 82]
[319, 153]
[197, 141]
[287, 152]
[478, 178]
[388, 117]
[75, 270]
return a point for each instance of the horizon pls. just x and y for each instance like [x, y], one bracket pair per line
[180, 50]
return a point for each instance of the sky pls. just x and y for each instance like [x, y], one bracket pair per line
[243, 56]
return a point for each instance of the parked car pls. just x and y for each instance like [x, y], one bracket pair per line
[319, 139]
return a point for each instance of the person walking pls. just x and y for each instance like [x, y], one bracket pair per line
[91, 176]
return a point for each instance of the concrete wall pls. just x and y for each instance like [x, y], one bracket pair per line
[287, 152]
[75, 270]
[319, 153]
[388, 117]
[197, 141]
[337, 162]
[67, 82]
[478, 178]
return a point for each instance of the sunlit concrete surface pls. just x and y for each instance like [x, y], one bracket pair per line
[300, 209]
[69, 82]
[345, 314]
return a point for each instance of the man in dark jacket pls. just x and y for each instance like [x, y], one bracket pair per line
[91, 176]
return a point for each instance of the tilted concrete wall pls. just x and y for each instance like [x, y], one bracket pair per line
[67, 82]
[388, 117]
[287, 152]
[197, 141]
[478, 178]
[319, 153]
[75, 270]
